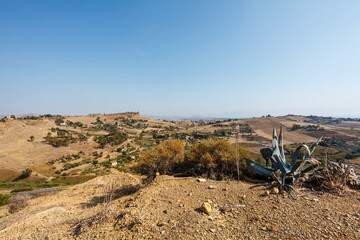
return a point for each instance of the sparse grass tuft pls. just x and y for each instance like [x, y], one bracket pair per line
[18, 202]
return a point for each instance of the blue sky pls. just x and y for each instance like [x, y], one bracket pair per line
[209, 58]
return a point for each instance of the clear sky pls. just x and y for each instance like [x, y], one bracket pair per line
[210, 58]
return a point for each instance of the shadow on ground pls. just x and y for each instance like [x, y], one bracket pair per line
[112, 195]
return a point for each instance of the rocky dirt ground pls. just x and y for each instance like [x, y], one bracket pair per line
[169, 208]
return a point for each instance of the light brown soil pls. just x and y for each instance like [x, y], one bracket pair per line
[168, 208]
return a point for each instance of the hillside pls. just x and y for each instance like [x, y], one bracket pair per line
[168, 208]
[83, 145]
[90, 158]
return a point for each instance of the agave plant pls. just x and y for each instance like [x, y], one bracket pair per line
[286, 174]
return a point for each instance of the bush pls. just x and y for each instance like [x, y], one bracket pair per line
[59, 121]
[18, 202]
[214, 159]
[210, 158]
[22, 189]
[25, 174]
[4, 199]
[161, 158]
[63, 138]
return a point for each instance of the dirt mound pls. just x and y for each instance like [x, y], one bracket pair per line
[169, 208]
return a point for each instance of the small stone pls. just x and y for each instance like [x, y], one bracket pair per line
[190, 194]
[211, 187]
[165, 211]
[212, 230]
[206, 208]
[224, 189]
[157, 174]
[273, 227]
[201, 180]
[275, 190]
[162, 232]
[266, 193]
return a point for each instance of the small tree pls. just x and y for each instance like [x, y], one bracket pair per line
[59, 121]
[25, 174]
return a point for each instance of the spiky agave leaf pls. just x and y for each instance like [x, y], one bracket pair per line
[281, 144]
[314, 162]
[258, 169]
[266, 154]
[307, 154]
[312, 148]
[280, 162]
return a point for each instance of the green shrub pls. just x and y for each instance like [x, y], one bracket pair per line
[24, 189]
[4, 199]
[59, 121]
[25, 174]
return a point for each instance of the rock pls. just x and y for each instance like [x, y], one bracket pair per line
[212, 230]
[162, 232]
[206, 208]
[211, 187]
[165, 211]
[201, 180]
[157, 174]
[266, 193]
[274, 190]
